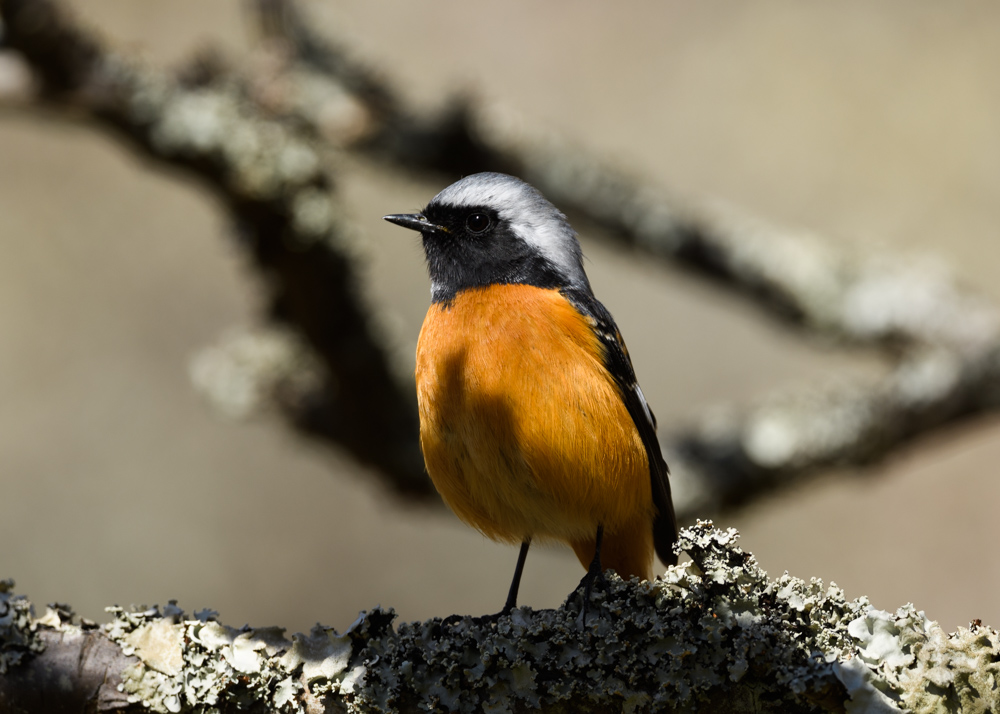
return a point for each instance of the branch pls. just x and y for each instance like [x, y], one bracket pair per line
[943, 341]
[735, 455]
[272, 180]
[712, 633]
[794, 276]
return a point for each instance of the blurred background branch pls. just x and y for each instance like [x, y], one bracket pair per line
[279, 194]
[262, 139]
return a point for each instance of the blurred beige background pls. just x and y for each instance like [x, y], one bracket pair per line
[875, 125]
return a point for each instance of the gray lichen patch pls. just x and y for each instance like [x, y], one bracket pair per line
[18, 628]
[715, 627]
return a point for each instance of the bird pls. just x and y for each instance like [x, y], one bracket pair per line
[532, 424]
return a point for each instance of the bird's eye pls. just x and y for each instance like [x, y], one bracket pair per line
[477, 222]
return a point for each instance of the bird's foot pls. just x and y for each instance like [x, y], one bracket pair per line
[593, 580]
[479, 620]
[484, 620]
[452, 620]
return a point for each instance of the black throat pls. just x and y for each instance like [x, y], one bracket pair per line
[458, 259]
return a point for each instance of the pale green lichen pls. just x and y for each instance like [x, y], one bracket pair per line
[922, 669]
[199, 662]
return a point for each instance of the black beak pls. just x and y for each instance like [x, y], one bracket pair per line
[415, 222]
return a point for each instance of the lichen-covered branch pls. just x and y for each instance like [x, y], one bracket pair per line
[279, 194]
[710, 635]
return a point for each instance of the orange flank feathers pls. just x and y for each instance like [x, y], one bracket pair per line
[523, 429]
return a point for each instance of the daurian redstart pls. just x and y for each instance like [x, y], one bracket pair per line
[532, 423]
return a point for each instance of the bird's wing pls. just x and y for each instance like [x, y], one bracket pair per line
[619, 365]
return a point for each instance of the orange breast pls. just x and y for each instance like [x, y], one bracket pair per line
[523, 430]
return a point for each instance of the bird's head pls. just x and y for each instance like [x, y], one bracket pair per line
[491, 228]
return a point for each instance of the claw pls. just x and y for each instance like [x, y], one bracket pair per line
[595, 574]
[451, 620]
[492, 619]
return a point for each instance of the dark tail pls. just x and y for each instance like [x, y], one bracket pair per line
[665, 524]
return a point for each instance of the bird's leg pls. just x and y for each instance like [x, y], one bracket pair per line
[594, 574]
[511, 594]
[515, 584]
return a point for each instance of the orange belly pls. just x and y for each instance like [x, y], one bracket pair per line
[523, 430]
